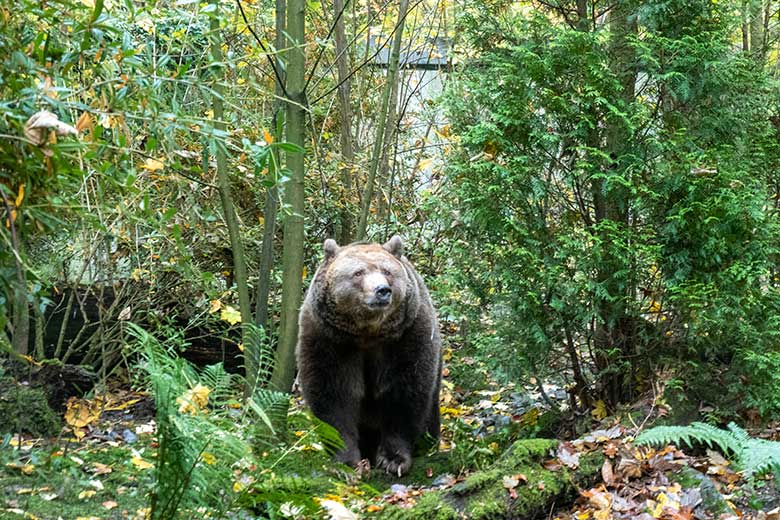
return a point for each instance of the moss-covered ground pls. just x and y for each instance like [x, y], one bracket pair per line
[61, 481]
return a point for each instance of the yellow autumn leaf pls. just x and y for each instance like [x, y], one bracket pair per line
[599, 410]
[87, 493]
[267, 137]
[230, 315]
[30, 360]
[121, 406]
[209, 458]
[20, 196]
[530, 418]
[665, 500]
[304, 273]
[214, 306]
[140, 463]
[194, 400]
[27, 469]
[81, 412]
[446, 410]
[153, 165]
[84, 122]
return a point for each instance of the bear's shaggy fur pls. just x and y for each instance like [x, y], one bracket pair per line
[369, 353]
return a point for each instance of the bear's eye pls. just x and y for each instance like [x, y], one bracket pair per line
[386, 272]
[359, 273]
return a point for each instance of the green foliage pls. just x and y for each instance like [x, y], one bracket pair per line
[198, 447]
[754, 456]
[614, 180]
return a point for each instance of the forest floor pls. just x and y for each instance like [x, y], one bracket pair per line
[102, 466]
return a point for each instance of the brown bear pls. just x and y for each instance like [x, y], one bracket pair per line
[369, 353]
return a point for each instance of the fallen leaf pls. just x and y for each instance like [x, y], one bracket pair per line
[140, 463]
[110, 504]
[153, 165]
[81, 412]
[87, 493]
[568, 456]
[27, 469]
[337, 511]
[606, 473]
[599, 410]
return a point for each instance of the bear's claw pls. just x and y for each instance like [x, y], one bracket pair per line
[394, 463]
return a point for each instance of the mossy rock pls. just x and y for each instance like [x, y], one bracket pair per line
[25, 409]
[483, 495]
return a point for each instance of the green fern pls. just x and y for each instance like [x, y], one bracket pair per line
[197, 453]
[754, 456]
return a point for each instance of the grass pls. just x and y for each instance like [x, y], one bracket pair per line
[83, 481]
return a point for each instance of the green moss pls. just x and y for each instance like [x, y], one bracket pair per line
[430, 506]
[491, 502]
[436, 464]
[69, 477]
[527, 449]
[483, 495]
[476, 481]
[25, 409]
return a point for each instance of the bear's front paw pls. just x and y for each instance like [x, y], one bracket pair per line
[394, 462]
[349, 456]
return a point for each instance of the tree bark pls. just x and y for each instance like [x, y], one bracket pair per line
[757, 29]
[20, 324]
[292, 252]
[613, 334]
[272, 194]
[345, 108]
[231, 219]
[383, 119]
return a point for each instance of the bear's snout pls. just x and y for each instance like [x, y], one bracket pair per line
[382, 294]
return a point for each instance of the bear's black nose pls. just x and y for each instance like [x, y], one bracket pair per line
[383, 292]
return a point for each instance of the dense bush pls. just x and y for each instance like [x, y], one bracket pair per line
[609, 198]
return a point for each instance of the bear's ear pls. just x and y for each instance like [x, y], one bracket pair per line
[395, 246]
[331, 248]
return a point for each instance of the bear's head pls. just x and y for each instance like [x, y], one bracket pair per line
[365, 288]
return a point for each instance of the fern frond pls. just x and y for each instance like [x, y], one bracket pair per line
[697, 432]
[753, 456]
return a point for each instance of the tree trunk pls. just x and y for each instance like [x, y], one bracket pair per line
[745, 27]
[345, 108]
[757, 29]
[382, 121]
[20, 322]
[231, 219]
[613, 335]
[271, 197]
[292, 252]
